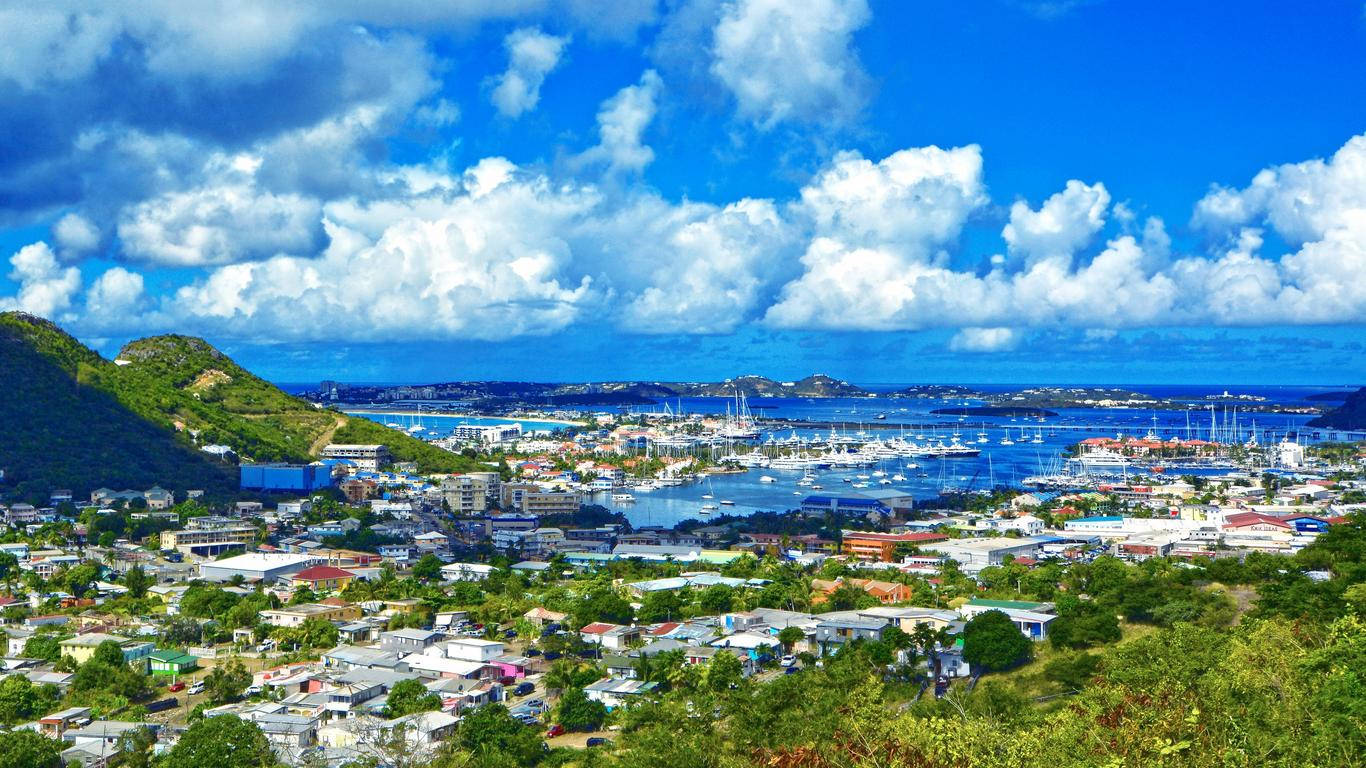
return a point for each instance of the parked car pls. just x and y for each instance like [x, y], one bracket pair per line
[523, 689]
[506, 681]
[532, 653]
[508, 635]
[791, 670]
[788, 660]
[598, 741]
[535, 705]
[552, 655]
[176, 687]
[555, 730]
[197, 687]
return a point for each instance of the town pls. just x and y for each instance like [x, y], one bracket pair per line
[354, 612]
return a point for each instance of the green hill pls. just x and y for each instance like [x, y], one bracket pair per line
[75, 420]
[1351, 415]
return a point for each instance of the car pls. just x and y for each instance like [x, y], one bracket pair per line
[197, 687]
[523, 689]
[764, 658]
[535, 705]
[531, 653]
[791, 671]
[788, 660]
[555, 730]
[598, 741]
[552, 655]
[253, 690]
[505, 681]
[508, 635]
[176, 687]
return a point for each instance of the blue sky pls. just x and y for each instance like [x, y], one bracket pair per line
[998, 191]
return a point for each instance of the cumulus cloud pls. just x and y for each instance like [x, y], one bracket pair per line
[791, 60]
[75, 235]
[1064, 224]
[622, 121]
[532, 55]
[45, 287]
[226, 220]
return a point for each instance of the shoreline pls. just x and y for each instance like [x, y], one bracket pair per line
[444, 414]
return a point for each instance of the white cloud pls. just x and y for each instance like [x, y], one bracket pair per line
[791, 60]
[226, 220]
[532, 55]
[622, 121]
[1064, 224]
[45, 287]
[75, 235]
[984, 340]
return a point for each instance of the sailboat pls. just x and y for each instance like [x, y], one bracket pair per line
[1006, 440]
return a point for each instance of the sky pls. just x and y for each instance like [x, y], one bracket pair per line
[988, 191]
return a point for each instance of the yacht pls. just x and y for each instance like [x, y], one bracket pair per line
[1006, 440]
[623, 498]
[709, 507]
[767, 479]
[900, 478]
[727, 503]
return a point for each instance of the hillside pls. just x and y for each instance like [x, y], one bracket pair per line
[74, 419]
[1350, 415]
[62, 431]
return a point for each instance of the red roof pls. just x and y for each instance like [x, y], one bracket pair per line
[323, 573]
[1253, 518]
[597, 628]
[665, 628]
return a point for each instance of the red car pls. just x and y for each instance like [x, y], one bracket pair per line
[555, 730]
[176, 687]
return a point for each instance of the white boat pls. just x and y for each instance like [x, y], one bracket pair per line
[900, 478]
[708, 496]
[1006, 440]
[623, 498]
[884, 481]
[727, 503]
[767, 479]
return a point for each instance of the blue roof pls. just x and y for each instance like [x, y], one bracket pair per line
[1099, 519]
[844, 501]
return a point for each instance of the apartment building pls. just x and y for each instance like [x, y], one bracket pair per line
[367, 458]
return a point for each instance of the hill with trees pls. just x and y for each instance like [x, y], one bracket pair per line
[1350, 415]
[76, 420]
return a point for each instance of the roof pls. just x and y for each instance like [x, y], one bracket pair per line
[597, 628]
[1017, 605]
[259, 561]
[173, 656]
[323, 573]
[894, 537]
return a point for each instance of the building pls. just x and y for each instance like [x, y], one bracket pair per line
[1031, 618]
[466, 494]
[466, 571]
[531, 499]
[882, 546]
[209, 536]
[172, 662]
[296, 478]
[488, 434]
[322, 578]
[405, 641]
[972, 555]
[367, 458]
[616, 692]
[296, 615]
[82, 647]
[257, 566]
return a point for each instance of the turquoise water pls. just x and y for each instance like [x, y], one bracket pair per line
[441, 425]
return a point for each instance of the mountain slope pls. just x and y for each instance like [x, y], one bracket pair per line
[1350, 415]
[72, 419]
[61, 431]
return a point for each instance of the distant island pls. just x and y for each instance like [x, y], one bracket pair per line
[1350, 415]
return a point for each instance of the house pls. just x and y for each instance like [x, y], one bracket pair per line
[613, 636]
[296, 615]
[1032, 619]
[82, 647]
[1247, 522]
[322, 578]
[95, 744]
[57, 723]
[172, 662]
[542, 616]
[405, 641]
[613, 693]
[886, 592]
[466, 571]
[257, 566]
[838, 630]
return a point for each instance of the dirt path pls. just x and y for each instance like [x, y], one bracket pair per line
[318, 445]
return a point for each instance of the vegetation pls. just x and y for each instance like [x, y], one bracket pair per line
[225, 741]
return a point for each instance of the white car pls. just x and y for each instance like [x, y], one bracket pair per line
[788, 660]
[197, 687]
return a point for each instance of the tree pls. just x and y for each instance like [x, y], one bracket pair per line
[9, 568]
[45, 647]
[724, 671]
[661, 605]
[992, 642]
[79, 578]
[717, 599]
[137, 581]
[108, 652]
[22, 700]
[427, 568]
[227, 682]
[1083, 624]
[409, 696]
[790, 636]
[226, 741]
[494, 738]
[577, 712]
[29, 749]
